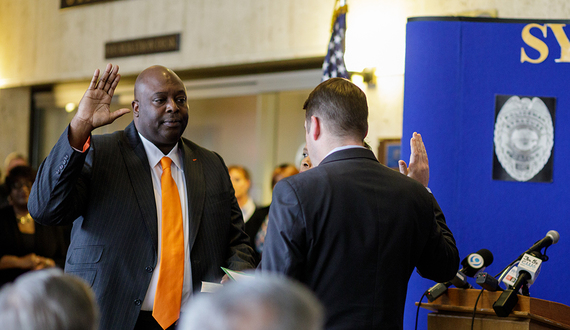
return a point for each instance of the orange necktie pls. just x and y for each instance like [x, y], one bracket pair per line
[166, 309]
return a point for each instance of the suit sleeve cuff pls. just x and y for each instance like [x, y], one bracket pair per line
[85, 146]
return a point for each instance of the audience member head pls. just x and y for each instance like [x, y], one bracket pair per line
[19, 182]
[14, 159]
[306, 161]
[282, 171]
[241, 182]
[48, 300]
[267, 302]
[160, 108]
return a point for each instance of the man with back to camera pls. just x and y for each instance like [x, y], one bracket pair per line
[153, 214]
[352, 229]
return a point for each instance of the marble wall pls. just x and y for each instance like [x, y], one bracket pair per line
[14, 122]
[44, 44]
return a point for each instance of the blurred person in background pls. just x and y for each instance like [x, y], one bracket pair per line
[252, 215]
[12, 160]
[24, 244]
[255, 218]
[241, 181]
[282, 171]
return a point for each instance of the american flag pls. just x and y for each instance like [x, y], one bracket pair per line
[333, 66]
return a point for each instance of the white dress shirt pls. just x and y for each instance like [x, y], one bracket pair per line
[351, 146]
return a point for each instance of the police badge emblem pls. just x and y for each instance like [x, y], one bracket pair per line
[523, 138]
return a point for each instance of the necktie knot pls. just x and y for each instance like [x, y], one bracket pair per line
[165, 163]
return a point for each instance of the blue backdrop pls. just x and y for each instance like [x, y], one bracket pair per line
[454, 69]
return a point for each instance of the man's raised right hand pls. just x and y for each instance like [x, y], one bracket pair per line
[94, 108]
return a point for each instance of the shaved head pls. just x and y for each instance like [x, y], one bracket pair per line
[154, 72]
[160, 108]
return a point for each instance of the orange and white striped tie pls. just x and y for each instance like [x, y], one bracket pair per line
[166, 309]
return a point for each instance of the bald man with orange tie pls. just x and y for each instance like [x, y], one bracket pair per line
[153, 213]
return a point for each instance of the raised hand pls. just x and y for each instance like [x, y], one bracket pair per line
[419, 165]
[94, 108]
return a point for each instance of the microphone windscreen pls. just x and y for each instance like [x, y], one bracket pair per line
[476, 262]
[554, 235]
[487, 256]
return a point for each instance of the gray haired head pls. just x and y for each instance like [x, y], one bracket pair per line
[267, 302]
[48, 300]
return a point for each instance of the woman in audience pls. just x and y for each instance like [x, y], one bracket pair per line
[255, 218]
[252, 216]
[282, 171]
[241, 182]
[25, 245]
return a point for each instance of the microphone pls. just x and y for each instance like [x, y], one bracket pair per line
[476, 262]
[530, 264]
[488, 282]
[551, 237]
[527, 272]
[509, 298]
[472, 264]
[437, 290]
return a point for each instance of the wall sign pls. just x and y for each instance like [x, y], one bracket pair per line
[538, 44]
[73, 3]
[160, 44]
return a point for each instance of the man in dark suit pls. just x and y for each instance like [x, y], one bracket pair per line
[109, 186]
[352, 229]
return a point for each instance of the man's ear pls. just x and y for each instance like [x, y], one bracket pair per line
[316, 127]
[135, 105]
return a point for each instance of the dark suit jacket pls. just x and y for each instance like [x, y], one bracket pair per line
[108, 195]
[353, 230]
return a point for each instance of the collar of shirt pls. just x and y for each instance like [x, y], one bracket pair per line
[154, 154]
[352, 146]
[248, 209]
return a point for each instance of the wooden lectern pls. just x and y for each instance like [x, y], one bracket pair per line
[454, 310]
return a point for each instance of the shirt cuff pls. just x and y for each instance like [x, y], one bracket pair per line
[85, 146]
